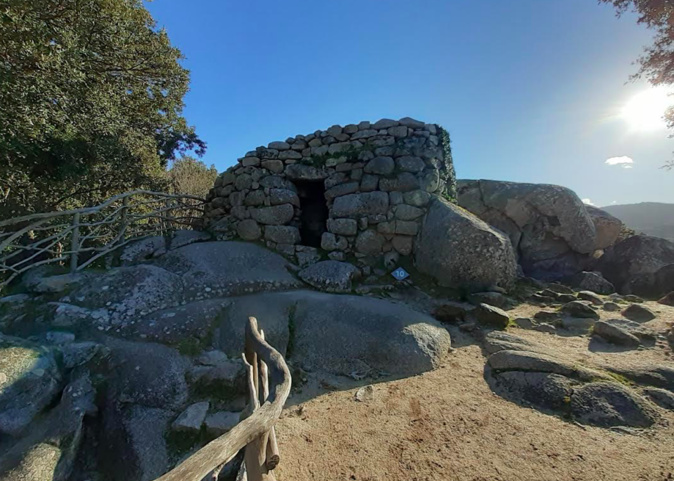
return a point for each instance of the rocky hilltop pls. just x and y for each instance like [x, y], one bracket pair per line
[120, 374]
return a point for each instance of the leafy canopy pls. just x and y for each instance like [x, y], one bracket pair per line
[657, 61]
[91, 100]
[191, 176]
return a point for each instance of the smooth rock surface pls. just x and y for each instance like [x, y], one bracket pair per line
[460, 250]
[227, 269]
[330, 276]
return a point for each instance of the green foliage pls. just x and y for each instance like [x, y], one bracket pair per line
[189, 346]
[352, 152]
[445, 143]
[188, 175]
[90, 103]
[657, 62]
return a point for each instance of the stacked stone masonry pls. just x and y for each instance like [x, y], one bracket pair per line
[358, 190]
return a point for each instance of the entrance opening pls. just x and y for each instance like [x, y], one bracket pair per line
[314, 211]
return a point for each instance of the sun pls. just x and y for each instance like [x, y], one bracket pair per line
[645, 111]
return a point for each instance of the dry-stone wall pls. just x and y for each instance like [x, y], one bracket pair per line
[359, 189]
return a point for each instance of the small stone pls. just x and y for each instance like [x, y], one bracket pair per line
[580, 310]
[369, 242]
[398, 131]
[661, 397]
[243, 182]
[341, 189]
[615, 334]
[417, 198]
[395, 198]
[337, 256]
[369, 183]
[407, 163]
[412, 123]
[638, 313]
[403, 244]
[545, 327]
[590, 296]
[283, 196]
[365, 394]
[380, 165]
[330, 242]
[407, 212]
[191, 419]
[611, 307]
[60, 337]
[343, 226]
[385, 124]
[279, 145]
[524, 322]
[250, 161]
[560, 288]
[330, 276]
[254, 198]
[406, 227]
[282, 234]
[490, 315]
[275, 166]
[248, 230]
[307, 256]
[667, 300]
[547, 316]
[452, 312]
[275, 215]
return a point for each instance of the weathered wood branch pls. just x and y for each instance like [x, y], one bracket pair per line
[225, 448]
[90, 210]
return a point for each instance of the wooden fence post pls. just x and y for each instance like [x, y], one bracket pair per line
[75, 243]
[125, 215]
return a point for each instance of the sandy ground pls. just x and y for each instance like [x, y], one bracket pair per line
[448, 425]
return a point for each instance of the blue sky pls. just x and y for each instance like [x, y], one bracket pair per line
[530, 90]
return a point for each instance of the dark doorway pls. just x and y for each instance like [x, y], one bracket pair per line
[314, 211]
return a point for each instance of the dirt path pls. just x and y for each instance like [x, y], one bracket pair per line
[448, 425]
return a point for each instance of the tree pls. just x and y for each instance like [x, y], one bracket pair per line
[91, 100]
[191, 176]
[657, 62]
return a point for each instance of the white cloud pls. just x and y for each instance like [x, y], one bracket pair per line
[587, 202]
[624, 161]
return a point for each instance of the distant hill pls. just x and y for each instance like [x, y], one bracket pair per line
[652, 218]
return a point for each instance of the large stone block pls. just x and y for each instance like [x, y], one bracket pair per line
[282, 234]
[274, 215]
[460, 250]
[361, 204]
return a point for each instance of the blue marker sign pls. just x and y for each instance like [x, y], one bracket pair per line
[400, 274]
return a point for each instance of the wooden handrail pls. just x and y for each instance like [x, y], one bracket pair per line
[252, 429]
[85, 235]
[90, 210]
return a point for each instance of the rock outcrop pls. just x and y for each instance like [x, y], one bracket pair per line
[460, 250]
[29, 381]
[564, 387]
[548, 225]
[640, 265]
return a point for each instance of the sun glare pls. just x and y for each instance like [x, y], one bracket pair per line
[645, 111]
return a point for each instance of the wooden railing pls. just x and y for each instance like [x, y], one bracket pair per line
[256, 432]
[78, 238]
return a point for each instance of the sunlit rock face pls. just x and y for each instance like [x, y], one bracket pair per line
[359, 190]
[551, 230]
